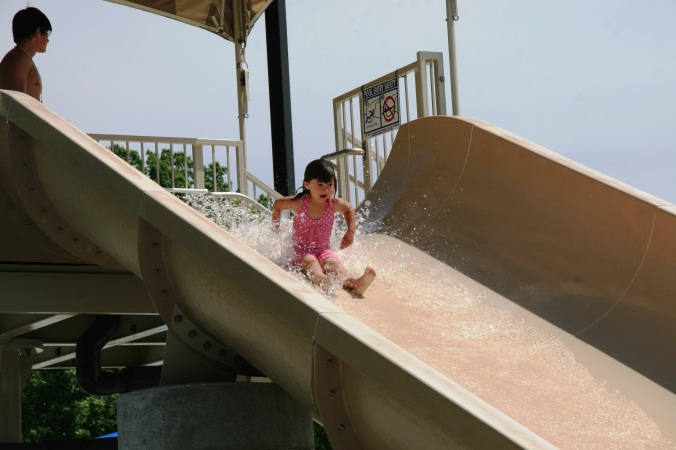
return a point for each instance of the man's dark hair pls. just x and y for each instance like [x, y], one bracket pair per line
[25, 23]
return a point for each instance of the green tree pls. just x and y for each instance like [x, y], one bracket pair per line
[221, 184]
[131, 156]
[179, 164]
[184, 172]
[321, 438]
[54, 407]
[266, 201]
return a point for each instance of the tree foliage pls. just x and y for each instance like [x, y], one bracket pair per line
[55, 407]
[321, 438]
[183, 169]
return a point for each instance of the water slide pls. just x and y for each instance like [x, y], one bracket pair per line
[523, 301]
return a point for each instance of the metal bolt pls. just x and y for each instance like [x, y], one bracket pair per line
[163, 292]
[178, 318]
[341, 427]
[223, 353]
[192, 333]
[238, 359]
[155, 244]
[332, 392]
[329, 362]
[206, 345]
[156, 271]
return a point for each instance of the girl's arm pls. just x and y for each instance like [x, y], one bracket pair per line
[281, 204]
[348, 213]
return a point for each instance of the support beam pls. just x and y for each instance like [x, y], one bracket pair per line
[279, 86]
[14, 371]
[68, 293]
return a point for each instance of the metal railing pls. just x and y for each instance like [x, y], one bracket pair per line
[190, 165]
[359, 159]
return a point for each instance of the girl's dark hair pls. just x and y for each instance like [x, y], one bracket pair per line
[26, 21]
[319, 169]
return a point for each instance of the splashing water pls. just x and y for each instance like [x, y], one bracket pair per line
[255, 229]
[453, 326]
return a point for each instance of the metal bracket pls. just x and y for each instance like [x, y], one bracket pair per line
[220, 354]
[330, 402]
[156, 272]
[43, 215]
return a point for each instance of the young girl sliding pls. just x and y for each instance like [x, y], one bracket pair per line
[314, 210]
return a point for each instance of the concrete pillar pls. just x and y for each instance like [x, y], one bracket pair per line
[15, 367]
[213, 416]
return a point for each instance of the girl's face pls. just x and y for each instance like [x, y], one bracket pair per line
[320, 190]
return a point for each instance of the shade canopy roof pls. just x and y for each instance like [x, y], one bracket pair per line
[216, 16]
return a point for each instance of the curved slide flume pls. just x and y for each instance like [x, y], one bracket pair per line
[587, 253]
[368, 391]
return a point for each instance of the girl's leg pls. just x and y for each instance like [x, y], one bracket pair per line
[313, 270]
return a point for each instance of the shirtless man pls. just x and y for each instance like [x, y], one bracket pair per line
[31, 29]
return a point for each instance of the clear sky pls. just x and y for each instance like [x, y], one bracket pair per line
[594, 81]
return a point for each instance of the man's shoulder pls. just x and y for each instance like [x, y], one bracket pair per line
[16, 59]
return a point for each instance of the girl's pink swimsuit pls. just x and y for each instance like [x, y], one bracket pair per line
[313, 236]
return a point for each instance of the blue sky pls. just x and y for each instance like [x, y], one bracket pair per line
[594, 81]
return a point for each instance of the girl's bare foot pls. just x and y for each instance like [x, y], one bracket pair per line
[361, 284]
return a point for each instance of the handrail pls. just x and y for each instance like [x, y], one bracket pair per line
[186, 191]
[344, 152]
[162, 139]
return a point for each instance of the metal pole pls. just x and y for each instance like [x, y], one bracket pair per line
[279, 87]
[451, 18]
[242, 88]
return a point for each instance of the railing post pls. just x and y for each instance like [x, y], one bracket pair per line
[198, 165]
[421, 87]
[342, 168]
[338, 126]
[368, 152]
[440, 85]
[242, 183]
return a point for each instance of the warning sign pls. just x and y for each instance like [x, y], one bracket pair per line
[381, 107]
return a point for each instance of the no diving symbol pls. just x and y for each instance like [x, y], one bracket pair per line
[389, 109]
